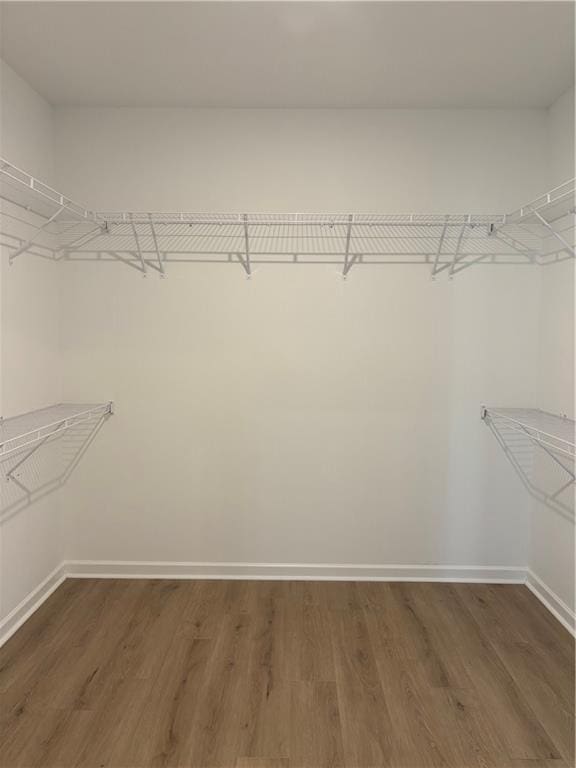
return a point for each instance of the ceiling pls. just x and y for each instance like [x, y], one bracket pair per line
[292, 54]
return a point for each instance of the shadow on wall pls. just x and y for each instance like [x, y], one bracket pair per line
[30, 475]
[548, 477]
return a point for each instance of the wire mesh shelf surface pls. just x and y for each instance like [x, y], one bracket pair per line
[30, 429]
[540, 232]
[556, 433]
[22, 189]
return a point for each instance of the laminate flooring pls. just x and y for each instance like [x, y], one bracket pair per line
[251, 674]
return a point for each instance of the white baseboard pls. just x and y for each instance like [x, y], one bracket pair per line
[31, 603]
[294, 571]
[112, 569]
[550, 600]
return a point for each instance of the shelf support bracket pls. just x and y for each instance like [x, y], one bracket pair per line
[21, 486]
[561, 489]
[351, 261]
[435, 269]
[128, 263]
[347, 263]
[155, 241]
[25, 458]
[241, 258]
[550, 453]
[245, 260]
[84, 239]
[456, 257]
[507, 239]
[475, 260]
[33, 239]
[138, 248]
[557, 235]
[457, 250]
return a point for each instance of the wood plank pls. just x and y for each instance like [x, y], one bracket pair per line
[209, 601]
[161, 736]
[364, 716]
[155, 619]
[218, 732]
[267, 700]
[427, 644]
[54, 627]
[77, 680]
[108, 725]
[54, 738]
[540, 626]
[64, 672]
[555, 713]
[427, 720]
[545, 682]
[511, 716]
[316, 732]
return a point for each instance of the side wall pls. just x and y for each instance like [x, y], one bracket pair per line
[30, 372]
[552, 530]
[297, 418]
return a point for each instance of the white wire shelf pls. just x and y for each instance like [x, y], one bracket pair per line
[29, 431]
[546, 225]
[541, 232]
[22, 189]
[554, 433]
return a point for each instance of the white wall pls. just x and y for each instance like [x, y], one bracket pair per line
[26, 126]
[297, 418]
[560, 129]
[30, 372]
[307, 160]
[552, 530]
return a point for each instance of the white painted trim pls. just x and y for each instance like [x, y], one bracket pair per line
[550, 600]
[31, 603]
[294, 571]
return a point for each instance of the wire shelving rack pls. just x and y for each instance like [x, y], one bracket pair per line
[21, 436]
[519, 431]
[538, 233]
[555, 433]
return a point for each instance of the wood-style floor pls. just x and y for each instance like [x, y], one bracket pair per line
[135, 673]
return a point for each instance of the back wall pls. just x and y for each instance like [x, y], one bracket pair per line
[297, 418]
